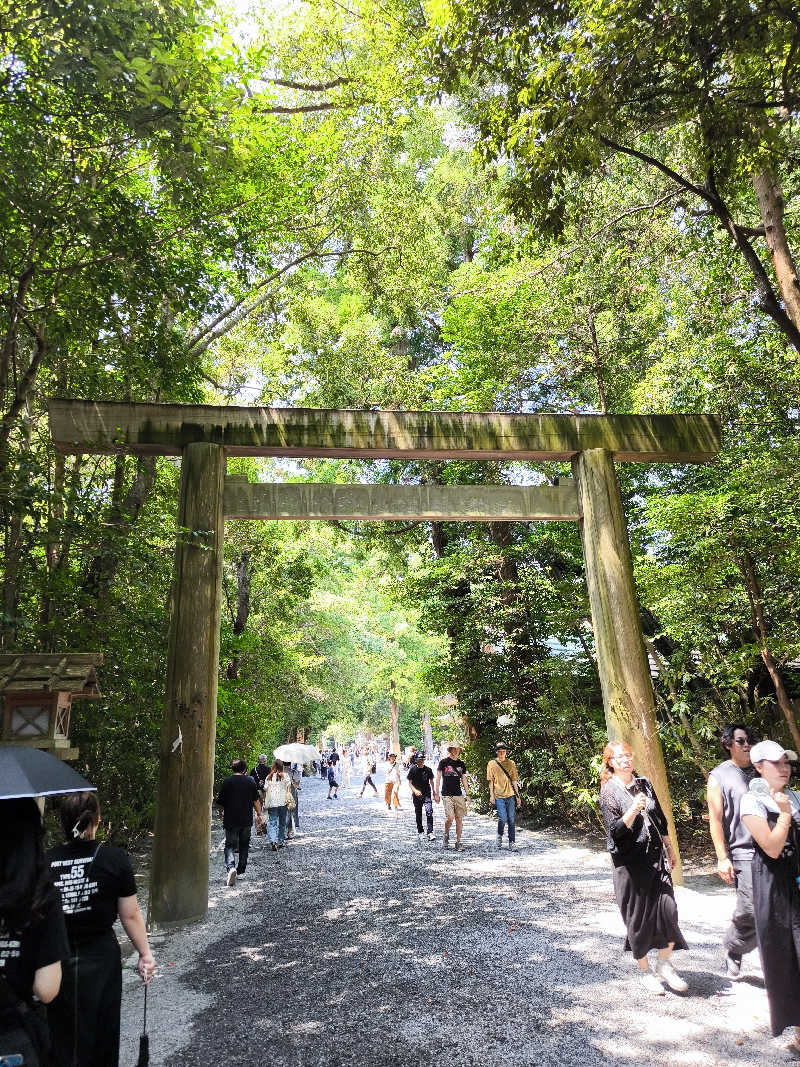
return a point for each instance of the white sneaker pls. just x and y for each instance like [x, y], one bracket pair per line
[667, 972]
[231, 879]
[512, 846]
[499, 844]
[431, 837]
[420, 837]
[651, 983]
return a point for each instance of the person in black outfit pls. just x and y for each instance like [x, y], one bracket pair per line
[420, 780]
[97, 886]
[260, 771]
[371, 768]
[773, 819]
[32, 931]
[238, 796]
[643, 857]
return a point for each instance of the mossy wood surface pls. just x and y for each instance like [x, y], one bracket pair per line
[621, 658]
[452, 503]
[165, 429]
[179, 890]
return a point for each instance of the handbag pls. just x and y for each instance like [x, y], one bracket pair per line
[23, 1028]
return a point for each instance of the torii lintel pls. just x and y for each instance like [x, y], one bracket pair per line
[166, 429]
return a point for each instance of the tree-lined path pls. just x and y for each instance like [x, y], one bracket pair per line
[356, 945]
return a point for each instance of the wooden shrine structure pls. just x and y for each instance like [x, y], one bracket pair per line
[203, 436]
[37, 690]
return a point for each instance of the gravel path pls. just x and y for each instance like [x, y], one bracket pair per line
[355, 945]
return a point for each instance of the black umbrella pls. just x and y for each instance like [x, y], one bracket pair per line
[30, 772]
[144, 1039]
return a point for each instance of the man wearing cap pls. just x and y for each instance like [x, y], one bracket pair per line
[504, 793]
[772, 815]
[420, 781]
[727, 784]
[451, 788]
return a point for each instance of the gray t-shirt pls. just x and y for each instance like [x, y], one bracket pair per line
[760, 803]
[733, 782]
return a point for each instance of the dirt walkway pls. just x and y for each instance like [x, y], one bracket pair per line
[355, 945]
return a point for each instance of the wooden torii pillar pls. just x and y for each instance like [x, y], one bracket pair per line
[204, 435]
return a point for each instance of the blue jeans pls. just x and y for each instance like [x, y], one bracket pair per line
[237, 839]
[506, 813]
[291, 815]
[276, 824]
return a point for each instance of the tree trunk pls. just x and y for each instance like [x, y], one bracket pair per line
[395, 733]
[11, 564]
[697, 748]
[770, 205]
[598, 362]
[122, 514]
[427, 732]
[523, 651]
[628, 696]
[242, 608]
[752, 585]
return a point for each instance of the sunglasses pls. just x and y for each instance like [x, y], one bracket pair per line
[742, 741]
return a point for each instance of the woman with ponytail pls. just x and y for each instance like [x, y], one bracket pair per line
[32, 932]
[277, 791]
[97, 885]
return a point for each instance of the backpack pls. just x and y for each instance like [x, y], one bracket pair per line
[23, 1028]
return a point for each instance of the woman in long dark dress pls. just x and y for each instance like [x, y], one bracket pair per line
[643, 858]
[773, 819]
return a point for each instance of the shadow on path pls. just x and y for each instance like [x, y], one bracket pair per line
[357, 945]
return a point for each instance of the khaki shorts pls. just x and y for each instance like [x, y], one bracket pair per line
[455, 806]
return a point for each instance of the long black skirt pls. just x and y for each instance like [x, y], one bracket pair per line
[647, 902]
[776, 906]
[84, 1017]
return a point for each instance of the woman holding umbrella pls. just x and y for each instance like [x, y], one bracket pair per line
[97, 886]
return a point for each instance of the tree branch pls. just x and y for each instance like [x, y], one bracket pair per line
[310, 87]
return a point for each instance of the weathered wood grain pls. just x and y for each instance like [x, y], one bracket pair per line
[165, 429]
[373, 503]
[179, 890]
[622, 662]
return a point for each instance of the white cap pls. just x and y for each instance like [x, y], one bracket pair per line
[454, 744]
[770, 750]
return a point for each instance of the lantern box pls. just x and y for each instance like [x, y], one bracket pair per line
[37, 690]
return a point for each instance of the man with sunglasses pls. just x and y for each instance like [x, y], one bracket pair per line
[727, 784]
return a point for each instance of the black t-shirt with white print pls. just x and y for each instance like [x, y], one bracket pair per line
[451, 771]
[91, 878]
[23, 952]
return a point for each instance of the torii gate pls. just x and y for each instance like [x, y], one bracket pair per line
[204, 435]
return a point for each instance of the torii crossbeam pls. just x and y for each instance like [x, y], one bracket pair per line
[204, 435]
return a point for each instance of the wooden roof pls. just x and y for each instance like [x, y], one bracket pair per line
[56, 672]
